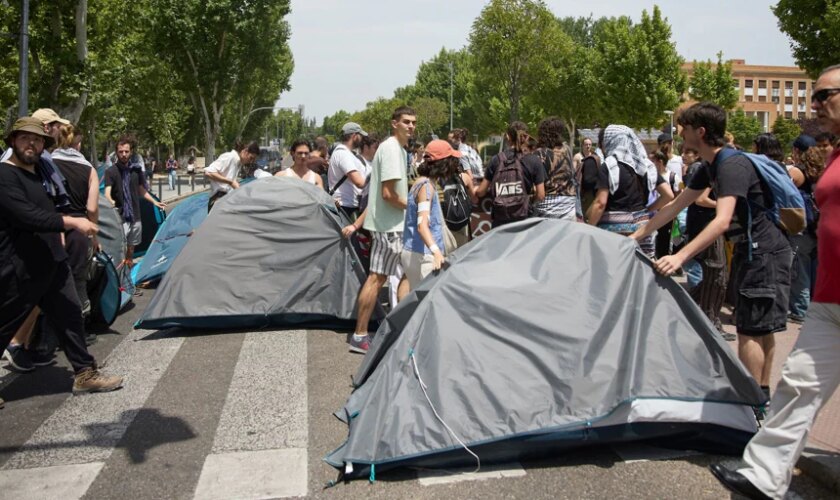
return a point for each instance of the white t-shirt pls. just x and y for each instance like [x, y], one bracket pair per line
[675, 165]
[389, 163]
[228, 165]
[342, 162]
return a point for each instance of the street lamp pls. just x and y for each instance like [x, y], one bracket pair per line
[451, 70]
[671, 129]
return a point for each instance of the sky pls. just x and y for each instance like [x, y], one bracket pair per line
[349, 53]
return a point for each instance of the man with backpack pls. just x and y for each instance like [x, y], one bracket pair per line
[511, 177]
[811, 373]
[746, 211]
[347, 173]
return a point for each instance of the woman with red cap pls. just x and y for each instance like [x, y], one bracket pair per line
[423, 242]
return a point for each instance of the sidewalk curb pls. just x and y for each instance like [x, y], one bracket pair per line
[186, 195]
[821, 466]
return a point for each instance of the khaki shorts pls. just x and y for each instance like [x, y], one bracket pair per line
[133, 233]
[416, 266]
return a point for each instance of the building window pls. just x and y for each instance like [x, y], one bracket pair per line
[762, 98]
[736, 83]
[788, 114]
[801, 115]
[762, 84]
[748, 84]
[748, 98]
[775, 99]
[788, 100]
[789, 85]
[802, 85]
[775, 84]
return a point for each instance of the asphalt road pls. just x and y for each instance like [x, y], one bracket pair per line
[249, 415]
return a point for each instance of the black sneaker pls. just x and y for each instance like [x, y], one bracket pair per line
[794, 318]
[41, 359]
[18, 358]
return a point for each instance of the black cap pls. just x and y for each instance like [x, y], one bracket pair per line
[664, 138]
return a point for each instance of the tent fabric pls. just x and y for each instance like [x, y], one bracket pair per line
[152, 218]
[107, 296]
[269, 253]
[112, 238]
[111, 234]
[171, 237]
[541, 336]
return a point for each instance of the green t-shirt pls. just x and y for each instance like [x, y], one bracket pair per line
[389, 163]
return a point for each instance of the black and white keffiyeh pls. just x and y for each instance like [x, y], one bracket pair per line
[621, 144]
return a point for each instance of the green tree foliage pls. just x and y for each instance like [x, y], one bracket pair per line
[714, 83]
[745, 128]
[332, 124]
[432, 115]
[640, 70]
[513, 42]
[814, 29]
[222, 51]
[786, 130]
[376, 117]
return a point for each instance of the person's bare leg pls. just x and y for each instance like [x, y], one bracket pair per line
[768, 346]
[403, 289]
[367, 300]
[24, 333]
[751, 353]
[129, 255]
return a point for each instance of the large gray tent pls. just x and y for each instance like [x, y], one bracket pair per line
[541, 336]
[269, 253]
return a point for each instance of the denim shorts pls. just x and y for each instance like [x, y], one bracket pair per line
[763, 286]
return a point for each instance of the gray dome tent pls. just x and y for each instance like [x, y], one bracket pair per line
[269, 253]
[542, 336]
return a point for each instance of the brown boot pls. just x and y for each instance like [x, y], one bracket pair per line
[92, 380]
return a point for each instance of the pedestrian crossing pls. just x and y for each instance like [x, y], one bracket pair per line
[220, 416]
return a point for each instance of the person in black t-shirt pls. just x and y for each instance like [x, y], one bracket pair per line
[532, 170]
[125, 185]
[33, 263]
[625, 180]
[762, 273]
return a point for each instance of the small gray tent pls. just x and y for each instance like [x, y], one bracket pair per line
[540, 337]
[269, 253]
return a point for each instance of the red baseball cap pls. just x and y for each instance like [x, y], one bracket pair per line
[439, 149]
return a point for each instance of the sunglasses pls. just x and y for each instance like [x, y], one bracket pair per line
[823, 95]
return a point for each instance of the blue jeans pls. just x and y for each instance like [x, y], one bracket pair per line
[803, 246]
[694, 272]
[173, 179]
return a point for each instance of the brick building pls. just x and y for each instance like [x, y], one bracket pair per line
[767, 92]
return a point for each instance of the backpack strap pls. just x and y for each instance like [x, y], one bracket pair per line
[723, 155]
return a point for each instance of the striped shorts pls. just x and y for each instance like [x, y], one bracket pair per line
[385, 252]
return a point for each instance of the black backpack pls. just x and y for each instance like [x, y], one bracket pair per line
[457, 206]
[511, 200]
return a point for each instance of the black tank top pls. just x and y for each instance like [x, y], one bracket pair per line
[78, 178]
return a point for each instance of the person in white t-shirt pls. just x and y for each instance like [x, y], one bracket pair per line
[224, 172]
[347, 169]
[674, 164]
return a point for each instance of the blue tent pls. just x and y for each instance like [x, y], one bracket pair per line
[171, 237]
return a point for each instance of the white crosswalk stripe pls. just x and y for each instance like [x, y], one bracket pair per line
[260, 446]
[86, 428]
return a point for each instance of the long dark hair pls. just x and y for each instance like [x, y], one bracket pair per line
[440, 169]
[767, 145]
[814, 162]
[550, 132]
[517, 134]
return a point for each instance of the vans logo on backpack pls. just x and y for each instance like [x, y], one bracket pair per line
[509, 188]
